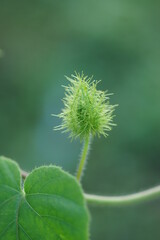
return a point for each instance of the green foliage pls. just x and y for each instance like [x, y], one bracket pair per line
[87, 110]
[50, 206]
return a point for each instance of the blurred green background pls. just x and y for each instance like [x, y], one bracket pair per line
[117, 41]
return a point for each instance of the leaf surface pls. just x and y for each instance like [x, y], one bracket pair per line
[48, 206]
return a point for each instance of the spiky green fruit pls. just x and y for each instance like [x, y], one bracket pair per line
[86, 111]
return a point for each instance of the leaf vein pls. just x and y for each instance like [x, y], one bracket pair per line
[8, 200]
[61, 220]
[33, 210]
[55, 195]
[17, 216]
[6, 186]
[25, 232]
[5, 230]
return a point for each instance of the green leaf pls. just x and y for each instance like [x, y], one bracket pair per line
[50, 205]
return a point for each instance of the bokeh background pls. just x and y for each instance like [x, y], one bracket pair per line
[117, 41]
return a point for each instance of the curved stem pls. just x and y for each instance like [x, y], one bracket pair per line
[143, 196]
[147, 195]
[83, 158]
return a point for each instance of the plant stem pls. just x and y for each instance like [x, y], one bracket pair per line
[147, 195]
[143, 196]
[83, 158]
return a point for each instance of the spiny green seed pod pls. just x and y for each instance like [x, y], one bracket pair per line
[86, 111]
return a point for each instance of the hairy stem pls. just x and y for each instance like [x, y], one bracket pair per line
[83, 158]
[143, 196]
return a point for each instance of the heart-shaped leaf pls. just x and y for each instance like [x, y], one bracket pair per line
[48, 206]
